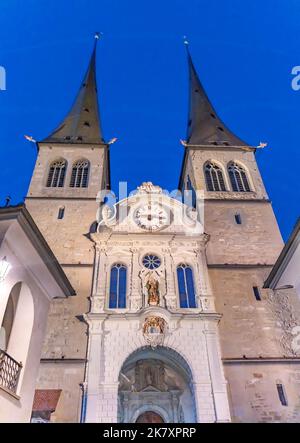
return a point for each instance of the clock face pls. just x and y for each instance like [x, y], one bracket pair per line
[151, 216]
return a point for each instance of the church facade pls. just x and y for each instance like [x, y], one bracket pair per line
[171, 322]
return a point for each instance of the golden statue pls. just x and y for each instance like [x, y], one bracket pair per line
[154, 325]
[153, 292]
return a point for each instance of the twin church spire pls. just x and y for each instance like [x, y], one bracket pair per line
[205, 128]
[82, 123]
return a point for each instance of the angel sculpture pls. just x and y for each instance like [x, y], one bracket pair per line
[153, 292]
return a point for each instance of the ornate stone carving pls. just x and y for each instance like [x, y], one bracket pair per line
[150, 373]
[207, 303]
[149, 188]
[97, 304]
[106, 216]
[135, 303]
[285, 308]
[154, 330]
[171, 302]
[95, 325]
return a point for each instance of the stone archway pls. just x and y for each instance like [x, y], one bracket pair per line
[149, 417]
[16, 331]
[155, 386]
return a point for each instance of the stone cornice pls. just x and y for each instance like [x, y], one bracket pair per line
[63, 360]
[60, 198]
[237, 360]
[170, 314]
[238, 265]
[229, 199]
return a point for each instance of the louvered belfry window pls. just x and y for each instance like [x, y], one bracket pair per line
[57, 173]
[238, 178]
[80, 174]
[214, 177]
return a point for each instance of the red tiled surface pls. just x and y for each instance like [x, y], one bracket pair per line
[46, 399]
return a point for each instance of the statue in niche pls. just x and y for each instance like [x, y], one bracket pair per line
[153, 292]
[150, 373]
[150, 376]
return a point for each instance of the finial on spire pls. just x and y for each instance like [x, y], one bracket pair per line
[185, 40]
[98, 35]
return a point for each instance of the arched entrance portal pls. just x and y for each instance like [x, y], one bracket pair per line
[149, 417]
[155, 386]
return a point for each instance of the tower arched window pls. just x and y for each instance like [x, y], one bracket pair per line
[117, 289]
[57, 173]
[80, 174]
[186, 288]
[238, 178]
[214, 177]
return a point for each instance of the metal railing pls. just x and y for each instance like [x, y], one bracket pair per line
[9, 372]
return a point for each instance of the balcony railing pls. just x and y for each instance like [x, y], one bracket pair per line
[9, 372]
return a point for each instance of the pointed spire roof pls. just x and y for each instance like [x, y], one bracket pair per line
[204, 125]
[82, 123]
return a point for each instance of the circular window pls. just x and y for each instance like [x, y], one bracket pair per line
[151, 261]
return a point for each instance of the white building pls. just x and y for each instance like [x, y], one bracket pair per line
[34, 278]
[136, 302]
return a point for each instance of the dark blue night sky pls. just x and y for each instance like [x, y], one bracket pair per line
[244, 52]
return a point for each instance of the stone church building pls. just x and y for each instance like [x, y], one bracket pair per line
[171, 322]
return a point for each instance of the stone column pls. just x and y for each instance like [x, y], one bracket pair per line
[219, 383]
[125, 408]
[175, 406]
[99, 283]
[171, 297]
[93, 369]
[135, 296]
[205, 298]
[108, 402]
[204, 402]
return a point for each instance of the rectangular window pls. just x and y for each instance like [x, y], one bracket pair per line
[61, 213]
[281, 394]
[238, 219]
[256, 293]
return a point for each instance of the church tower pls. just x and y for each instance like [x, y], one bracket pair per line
[171, 322]
[71, 168]
[244, 244]
[236, 204]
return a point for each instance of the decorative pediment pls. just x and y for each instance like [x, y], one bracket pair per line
[149, 188]
[150, 210]
[150, 388]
